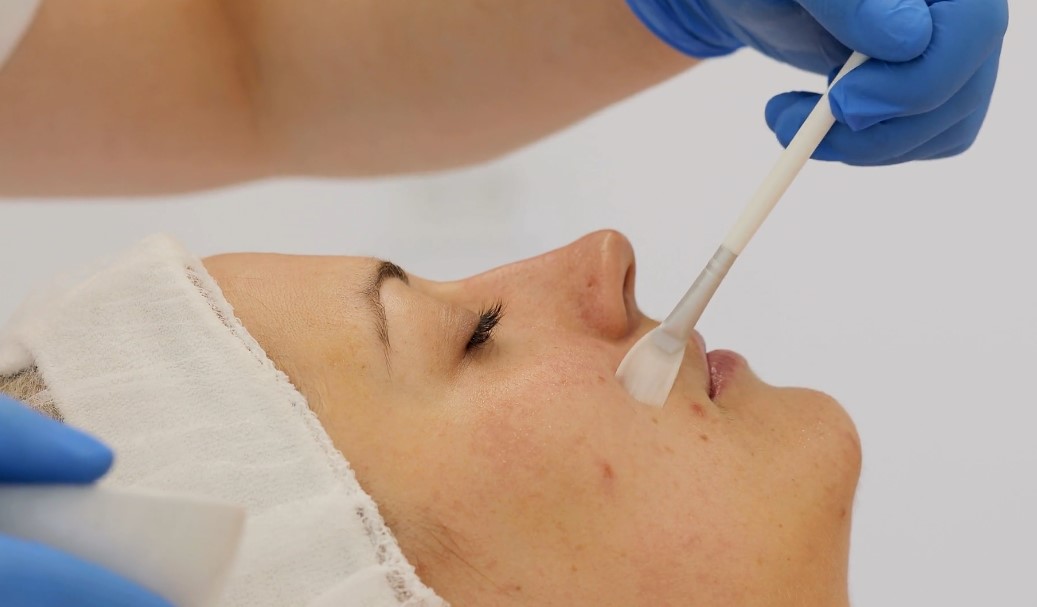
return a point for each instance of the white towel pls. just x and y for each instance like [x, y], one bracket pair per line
[146, 353]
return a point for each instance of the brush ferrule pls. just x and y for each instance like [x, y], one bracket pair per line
[668, 342]
[681, 322]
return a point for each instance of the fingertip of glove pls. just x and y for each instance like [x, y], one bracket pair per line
[779, 105]
[862, 114]
[94, 457]
[837, 108]
[787, 126]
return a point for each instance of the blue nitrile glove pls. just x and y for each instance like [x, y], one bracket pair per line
[924, 94]
[36, 449]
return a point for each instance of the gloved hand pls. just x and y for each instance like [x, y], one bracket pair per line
[924, 94]
[36, 449]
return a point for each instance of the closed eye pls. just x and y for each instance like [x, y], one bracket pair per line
[489, 318]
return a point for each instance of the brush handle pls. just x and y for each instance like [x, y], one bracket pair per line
[802, 147]
[679, 325]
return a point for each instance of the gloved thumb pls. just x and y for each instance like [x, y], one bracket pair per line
[887, 30]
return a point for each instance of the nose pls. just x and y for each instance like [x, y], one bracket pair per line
[587, 286]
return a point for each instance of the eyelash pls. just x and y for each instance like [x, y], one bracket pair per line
[488, 320]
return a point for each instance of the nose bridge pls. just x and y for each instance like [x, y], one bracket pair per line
[586, 286]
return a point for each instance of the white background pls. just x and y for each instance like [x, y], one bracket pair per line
[909, 292]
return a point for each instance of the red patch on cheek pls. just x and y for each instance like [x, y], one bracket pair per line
[608, 476]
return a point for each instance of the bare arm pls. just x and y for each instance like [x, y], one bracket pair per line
[123, 96]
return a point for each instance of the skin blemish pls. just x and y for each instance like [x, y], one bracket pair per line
[704, 437]
[607, 472]
[698, 410]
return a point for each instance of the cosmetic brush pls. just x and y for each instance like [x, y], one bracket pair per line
[649, 369]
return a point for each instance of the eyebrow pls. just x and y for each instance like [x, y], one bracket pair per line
[372, 293]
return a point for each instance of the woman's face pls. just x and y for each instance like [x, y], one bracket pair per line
[519, 472]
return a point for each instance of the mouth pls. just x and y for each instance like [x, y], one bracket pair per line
[721, 366]
[724, 365]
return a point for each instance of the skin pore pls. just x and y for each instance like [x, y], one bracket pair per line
[519, 472]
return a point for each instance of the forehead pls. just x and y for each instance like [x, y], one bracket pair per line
[309, 315]
[277, 268]
[289, 301]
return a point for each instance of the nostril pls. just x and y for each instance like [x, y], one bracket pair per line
[630, 297]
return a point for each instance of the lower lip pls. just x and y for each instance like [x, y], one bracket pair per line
[724, 366]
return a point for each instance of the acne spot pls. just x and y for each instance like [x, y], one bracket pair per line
[607, 472]
[698, 410]
[601, 379]
[704, 438]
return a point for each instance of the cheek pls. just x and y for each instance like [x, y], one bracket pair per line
[541, 420]
[542, 440]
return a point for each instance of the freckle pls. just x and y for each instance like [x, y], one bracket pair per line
[698, 410]
[655, 420]
[573, 568]
[669, 449]
[607, 471]
[842, 513]
[704, 437]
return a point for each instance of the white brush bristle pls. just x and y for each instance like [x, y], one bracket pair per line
[648, 372]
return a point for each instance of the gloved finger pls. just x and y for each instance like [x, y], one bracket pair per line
[967, 33]
[948, 153]
[783, 30]
[887, 30]
[37, 449]
[887, 140]
[33, 575]
[955, 140]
